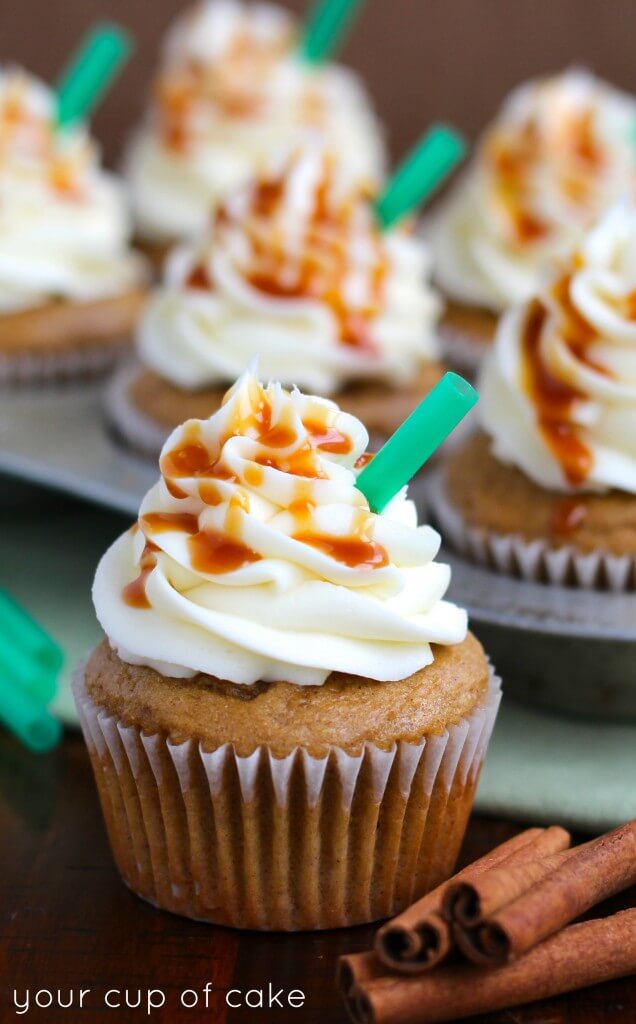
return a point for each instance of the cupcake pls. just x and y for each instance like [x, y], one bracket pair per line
[295, 269]
[232, 90]
[287, 720]
[70, 289]
[549, 489]
[560, 152]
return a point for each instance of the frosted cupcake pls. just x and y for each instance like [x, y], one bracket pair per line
[287, 720]
[232, 91]
[559, 153]
[70, 289]
[549, 491]
[296, 270]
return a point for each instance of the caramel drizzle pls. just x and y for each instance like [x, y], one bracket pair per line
[322, 263]
[553, 399]
[215, 552]
[514, 156]
[231, 86]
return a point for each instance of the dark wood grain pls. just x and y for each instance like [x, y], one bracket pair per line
[67, 922]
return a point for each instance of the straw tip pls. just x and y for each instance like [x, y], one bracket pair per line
[461, 387]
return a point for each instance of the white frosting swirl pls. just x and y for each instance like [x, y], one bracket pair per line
[560, 152]
[233, 92]
[580, 432]
[63, 221]
[274, 568]
[296, 271]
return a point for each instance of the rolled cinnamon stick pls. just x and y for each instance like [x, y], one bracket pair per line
[469, 902]
[581, 955]
[592, 873]
[355, 969]
[420, 938]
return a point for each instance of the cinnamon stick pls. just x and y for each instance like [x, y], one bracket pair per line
[357, 968]
[592, 873]
[420, 937]
[581, 955]
[469, 902]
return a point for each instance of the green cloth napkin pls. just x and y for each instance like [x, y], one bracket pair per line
[540, 767]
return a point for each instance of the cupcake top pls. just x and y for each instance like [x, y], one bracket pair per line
[560, 152]
[559, 389]
[296, 269]
[256, 557]
[63, 221]
[232, 91]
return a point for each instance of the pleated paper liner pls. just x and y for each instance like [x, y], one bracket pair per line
[284, 843]
[534, 560]
[43, 368]
[135, 429]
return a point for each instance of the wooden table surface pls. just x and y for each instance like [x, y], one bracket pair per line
[67, 923]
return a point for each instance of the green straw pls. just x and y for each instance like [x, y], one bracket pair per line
[414, 442]
[420, 174]
[21, 632]
[90, 72]
[325, 28]
[28, 719]
[17, 665]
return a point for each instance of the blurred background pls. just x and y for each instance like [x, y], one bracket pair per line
[424, 59]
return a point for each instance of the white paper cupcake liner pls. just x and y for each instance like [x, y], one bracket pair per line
[299, 842]
[27, 368]
[136, 429]
[534, 560]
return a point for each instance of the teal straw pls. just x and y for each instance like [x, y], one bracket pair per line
[28, 719]
[420, 174]
[416, 439]
[90, 72]
[19, 630]
[19, 666]
[326, 27]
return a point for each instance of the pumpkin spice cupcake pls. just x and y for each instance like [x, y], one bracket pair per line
[70, 288]
[287, 720]
[234, 91]
[550, 490]
[295, 269]
[559, 153]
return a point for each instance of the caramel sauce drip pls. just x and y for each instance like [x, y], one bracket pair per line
[199, 279]
[568, 515]
[514, 158]
[553, 401]
[363, 460]
[321, 267]
[134, 594]
[163, 522]
[214, 553]
[328, 439]
[356, 552]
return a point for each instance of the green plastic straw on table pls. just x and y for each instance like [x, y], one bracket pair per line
[420, 174]
[90, 72]
[414, 442]
[326, 27]
[20, 632]
[27, 718]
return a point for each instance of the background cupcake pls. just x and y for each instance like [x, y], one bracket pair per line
[551, 491]
[295, 269]
[560, 151]
[233, 89]
[70, 289]
[285, 692]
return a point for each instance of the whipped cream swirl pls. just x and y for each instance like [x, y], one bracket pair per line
[64, 226]
[296, 270]
[255, 556]
[231, 93]
[559, 389]
[560, 152]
